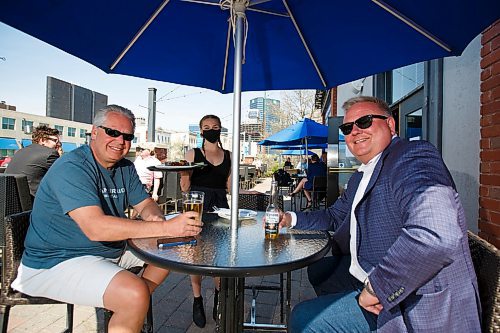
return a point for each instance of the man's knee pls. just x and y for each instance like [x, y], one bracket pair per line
[299, 317]
[126, 289]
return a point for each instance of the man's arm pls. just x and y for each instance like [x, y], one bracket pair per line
[100, 227]
[424, 194]
[156, 186]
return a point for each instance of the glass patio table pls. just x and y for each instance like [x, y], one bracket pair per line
[234, 255]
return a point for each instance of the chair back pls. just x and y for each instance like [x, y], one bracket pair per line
[486, 260]
[257, 201]
[319, 183]
[16, 228]
[15, 197]
[171, 187]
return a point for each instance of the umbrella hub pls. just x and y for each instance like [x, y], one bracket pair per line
[237, 10]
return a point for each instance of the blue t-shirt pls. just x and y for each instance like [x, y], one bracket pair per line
[76, 180]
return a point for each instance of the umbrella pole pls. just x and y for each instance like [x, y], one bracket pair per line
[235, 163]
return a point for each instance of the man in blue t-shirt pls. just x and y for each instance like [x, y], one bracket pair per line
[75, 246]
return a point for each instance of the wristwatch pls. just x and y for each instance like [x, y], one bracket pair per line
[369, 288]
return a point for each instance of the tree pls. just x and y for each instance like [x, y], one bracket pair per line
[296, 105]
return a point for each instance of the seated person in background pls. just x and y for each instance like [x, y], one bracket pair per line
[401, 259]
[150, 179]
[75, 249]
[301, 165]
[288, 164]
[316, 168]
[35, 160]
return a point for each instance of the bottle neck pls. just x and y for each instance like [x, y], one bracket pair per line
[274, 193]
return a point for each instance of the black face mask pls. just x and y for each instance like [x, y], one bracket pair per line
[211, 135]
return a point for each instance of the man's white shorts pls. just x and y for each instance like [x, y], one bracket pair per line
[82, 280]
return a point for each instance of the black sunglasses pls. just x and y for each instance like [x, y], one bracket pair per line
[363, 123]
[116, 133]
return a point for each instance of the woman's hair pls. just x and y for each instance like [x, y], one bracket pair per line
[43, 132]
[101, 115]
[210, 116]
[355, 100]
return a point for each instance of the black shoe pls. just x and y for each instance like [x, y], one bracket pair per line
[216, 303]
[199, 318]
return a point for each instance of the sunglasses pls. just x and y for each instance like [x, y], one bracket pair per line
[362, 123]
[53, 140]
[116, 133]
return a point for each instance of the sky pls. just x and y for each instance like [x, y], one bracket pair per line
[25, 63]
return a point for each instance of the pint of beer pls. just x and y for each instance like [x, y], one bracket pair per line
[193, 201]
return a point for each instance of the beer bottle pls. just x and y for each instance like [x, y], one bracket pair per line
[272, 213]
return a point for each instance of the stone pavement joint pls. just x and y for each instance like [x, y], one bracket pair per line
[172, 304]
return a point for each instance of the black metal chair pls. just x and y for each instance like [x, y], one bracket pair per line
[318, 192]
[260, 202]
[16, 227]
[486, 260]
[15, 197]
[171, 193]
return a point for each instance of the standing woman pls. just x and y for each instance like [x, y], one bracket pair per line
[214, 179]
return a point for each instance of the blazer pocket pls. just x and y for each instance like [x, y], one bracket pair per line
[426, 313]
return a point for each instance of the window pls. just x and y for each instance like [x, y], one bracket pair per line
[82, 133]
[27, 126]
[71, 131]
[60, 129]
[8, 123]
[406, 79]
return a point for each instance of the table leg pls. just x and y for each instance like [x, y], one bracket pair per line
[231, 299]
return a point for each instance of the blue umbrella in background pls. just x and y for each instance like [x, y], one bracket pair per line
[310, 146]
[296, 152]
[281, 43]
[303, 132]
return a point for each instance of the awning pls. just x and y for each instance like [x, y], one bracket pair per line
[8, 143]
[26, 142]
[68, 146]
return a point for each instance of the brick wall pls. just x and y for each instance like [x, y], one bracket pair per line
[489, 191]
[333, 101]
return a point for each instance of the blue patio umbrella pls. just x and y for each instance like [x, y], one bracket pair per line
[295, 152]
[303, 132]
[280, 42]
[310, 146]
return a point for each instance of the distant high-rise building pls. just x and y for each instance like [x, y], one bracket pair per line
[268, 110]
[71, 102]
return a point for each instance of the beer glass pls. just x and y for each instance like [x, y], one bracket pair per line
[193, 201]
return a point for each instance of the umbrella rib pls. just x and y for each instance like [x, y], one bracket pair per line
[304, 43]
[203, 2]
[138, 34]
[267, 12]
[412, 24]
[228, 38]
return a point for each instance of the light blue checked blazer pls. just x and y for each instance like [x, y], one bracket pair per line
[412, 236]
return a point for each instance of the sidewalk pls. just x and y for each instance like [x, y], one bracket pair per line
[172, 304]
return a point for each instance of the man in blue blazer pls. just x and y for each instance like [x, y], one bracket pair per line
[401, 260]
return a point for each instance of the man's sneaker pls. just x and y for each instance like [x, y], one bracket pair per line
[199, 312]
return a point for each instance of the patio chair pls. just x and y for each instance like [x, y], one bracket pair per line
[170, 192]
[15, 197]
[260, 202]
[16, 227]
[486, 260]
[318, 192]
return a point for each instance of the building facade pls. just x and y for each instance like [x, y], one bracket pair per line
[17, 127]
[268, 110]
[71, 102]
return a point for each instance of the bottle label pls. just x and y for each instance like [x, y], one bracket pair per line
[272, 220]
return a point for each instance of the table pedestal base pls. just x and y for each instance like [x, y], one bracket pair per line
[231, 300]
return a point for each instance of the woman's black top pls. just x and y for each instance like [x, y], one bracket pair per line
[211, 179]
